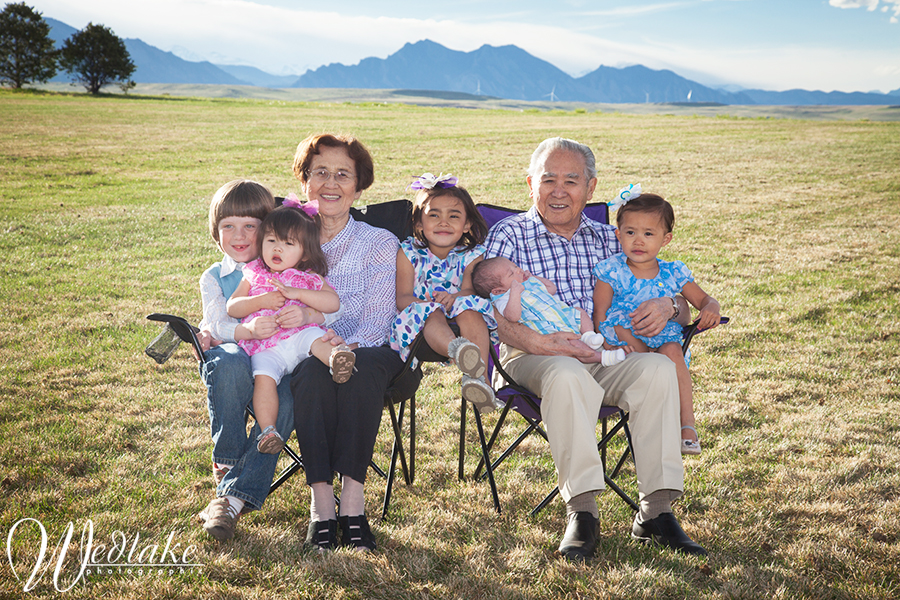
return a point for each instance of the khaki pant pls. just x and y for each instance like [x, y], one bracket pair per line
[644, 385]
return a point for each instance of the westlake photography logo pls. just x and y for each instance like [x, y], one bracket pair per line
[124, 555]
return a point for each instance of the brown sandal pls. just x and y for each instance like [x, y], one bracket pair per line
[341, 362]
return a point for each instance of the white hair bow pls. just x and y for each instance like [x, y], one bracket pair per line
[629, 192]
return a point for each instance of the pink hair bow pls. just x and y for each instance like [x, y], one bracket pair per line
[311, 208]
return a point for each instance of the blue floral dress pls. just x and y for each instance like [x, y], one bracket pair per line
[436, 275]
[629, 292]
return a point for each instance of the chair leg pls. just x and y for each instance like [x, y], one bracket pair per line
[487, 461]
[490, 445]
[412, 439]
[296, 465]
[543, 504]
[396, 422]
[462, 439]
[396, 450]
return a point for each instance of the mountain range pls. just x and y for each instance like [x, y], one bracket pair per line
[503, 72]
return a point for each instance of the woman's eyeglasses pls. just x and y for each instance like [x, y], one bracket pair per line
[322, 175]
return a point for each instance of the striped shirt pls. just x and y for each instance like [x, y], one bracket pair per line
[215, 315]
[524, 239]
[541, 311]
[362, 268]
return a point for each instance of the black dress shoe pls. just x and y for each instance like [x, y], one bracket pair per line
[355, 532]
[580, 538]
[322, 535]
[665, 531]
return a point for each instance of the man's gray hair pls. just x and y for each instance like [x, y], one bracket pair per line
[558, 143]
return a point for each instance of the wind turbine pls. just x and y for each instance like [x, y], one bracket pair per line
[552, 95]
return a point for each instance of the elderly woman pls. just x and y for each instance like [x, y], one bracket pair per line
[336, 424]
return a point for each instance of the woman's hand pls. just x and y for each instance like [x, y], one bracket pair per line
[262, 327]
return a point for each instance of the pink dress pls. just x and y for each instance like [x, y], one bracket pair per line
[259, 275]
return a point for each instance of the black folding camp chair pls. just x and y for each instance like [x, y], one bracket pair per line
[185, 332]
[613, 420]
[396, 217]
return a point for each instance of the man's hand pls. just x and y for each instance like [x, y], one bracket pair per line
[651, 316]
[564, 344]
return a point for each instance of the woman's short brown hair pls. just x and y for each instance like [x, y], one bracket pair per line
[311, 146]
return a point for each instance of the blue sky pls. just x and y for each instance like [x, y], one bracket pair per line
[846, 45]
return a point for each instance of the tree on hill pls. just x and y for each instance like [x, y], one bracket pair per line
[95, 56]
[27, 53]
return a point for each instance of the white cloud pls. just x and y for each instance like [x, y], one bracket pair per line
[870, 5]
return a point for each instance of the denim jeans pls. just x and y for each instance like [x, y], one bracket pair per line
[229, 383]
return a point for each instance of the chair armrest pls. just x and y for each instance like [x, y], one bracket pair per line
[184, 330]
[689, 331]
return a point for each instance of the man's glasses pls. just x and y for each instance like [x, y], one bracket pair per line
[341, 177]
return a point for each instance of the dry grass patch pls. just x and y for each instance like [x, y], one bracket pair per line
[793, 225]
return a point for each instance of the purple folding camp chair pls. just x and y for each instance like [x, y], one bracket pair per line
[528, 405]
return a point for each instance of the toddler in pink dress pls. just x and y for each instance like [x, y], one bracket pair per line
[292, 263]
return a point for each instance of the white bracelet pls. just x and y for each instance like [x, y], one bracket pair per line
[675, 308]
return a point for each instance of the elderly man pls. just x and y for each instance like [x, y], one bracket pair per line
[554, 240]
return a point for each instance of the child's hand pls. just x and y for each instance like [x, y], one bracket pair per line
[446, 299]
[206, 340]
[626, 348]
[515, 286]
[709, 317]
[286, 290]
[291, 316]
[271, 300]
[262, 327]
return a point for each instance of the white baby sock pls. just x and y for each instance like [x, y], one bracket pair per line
[594, 340]
[612, 357]
[608, 357]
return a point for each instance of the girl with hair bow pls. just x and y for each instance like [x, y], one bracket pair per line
[290, 261]
[644, 226]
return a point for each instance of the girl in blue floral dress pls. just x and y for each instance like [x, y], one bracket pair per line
[434, 284]
[624, 281]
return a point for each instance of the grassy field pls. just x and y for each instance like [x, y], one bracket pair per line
[794, 225]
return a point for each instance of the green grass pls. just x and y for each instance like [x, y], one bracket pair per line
[793, 224]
